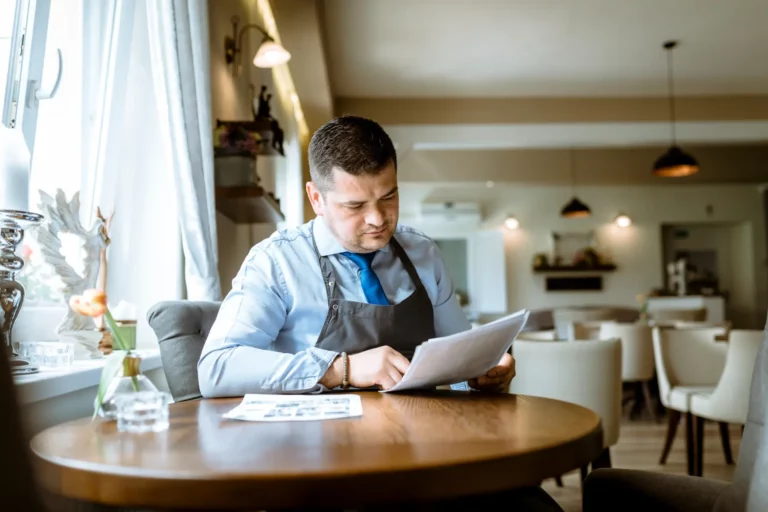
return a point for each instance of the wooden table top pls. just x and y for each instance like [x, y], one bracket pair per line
[405, 446]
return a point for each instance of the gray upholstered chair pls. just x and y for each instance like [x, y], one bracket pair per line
[181, 328]
[626, 490]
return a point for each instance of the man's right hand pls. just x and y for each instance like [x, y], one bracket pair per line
[380, 366]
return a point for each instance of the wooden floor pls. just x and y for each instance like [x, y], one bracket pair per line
[639, 447]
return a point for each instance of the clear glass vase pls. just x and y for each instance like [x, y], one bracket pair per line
[129, 380]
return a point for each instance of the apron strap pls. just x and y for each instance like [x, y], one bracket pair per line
[406, 262]
[326, 269]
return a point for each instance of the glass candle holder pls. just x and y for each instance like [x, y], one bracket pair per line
[144, 411]
[48, 354]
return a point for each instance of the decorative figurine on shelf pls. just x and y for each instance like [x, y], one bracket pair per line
[277, 137]
[105, 343]
[62, 217]
[263, 110]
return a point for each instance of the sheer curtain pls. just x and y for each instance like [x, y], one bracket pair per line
[178, 37]
[133, 133]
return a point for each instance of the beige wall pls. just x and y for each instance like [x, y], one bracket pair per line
[428, 111]
[637, 251]
[734, 163]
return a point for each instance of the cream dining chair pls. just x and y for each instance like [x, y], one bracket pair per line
[728, 403]
[637, 364]
[688, 362]
[586, 373]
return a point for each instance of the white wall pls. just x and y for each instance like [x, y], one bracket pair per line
[637, 251]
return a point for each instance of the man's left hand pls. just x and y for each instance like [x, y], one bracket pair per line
[498, 378]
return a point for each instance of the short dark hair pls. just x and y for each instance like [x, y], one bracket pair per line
[355, 145]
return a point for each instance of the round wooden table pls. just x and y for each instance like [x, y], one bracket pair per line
[433, 445]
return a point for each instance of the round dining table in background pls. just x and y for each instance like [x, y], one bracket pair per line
[404, 447]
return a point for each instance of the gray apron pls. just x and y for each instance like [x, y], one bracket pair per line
[354, 327]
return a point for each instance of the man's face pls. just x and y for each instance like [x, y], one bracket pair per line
[361, 211]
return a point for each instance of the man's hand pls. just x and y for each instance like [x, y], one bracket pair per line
[498, 378]
[381, 366]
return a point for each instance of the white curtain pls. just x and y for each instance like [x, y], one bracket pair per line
[178, 41]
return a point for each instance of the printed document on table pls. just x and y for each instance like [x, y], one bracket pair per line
[296, 407]
[462, 356]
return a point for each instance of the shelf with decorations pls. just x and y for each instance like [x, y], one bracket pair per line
[237, 145]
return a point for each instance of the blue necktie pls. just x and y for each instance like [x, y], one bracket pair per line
[372, 289]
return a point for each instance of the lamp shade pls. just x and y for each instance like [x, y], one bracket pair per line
[270, 54]
[675, 163]
[574, 209]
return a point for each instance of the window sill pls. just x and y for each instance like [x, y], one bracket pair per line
[81, 375]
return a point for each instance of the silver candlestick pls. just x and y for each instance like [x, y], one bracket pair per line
[12, 225]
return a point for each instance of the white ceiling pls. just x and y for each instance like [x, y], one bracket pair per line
[503, 48]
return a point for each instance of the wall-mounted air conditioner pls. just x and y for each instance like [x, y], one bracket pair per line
[451, 212]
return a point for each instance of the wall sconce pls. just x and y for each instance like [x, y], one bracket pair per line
[269, 54]
[623, 220]
[511, 222]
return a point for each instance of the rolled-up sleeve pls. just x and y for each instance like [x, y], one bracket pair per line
[238, 358]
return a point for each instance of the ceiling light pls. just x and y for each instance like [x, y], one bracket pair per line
[511, 222]
[623, 221]
[675, 163]
[269, 54]
[575, 209]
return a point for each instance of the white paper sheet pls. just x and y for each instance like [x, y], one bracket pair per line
[462, 356]
[296, 407]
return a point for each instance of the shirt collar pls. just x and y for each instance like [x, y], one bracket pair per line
[326, 242]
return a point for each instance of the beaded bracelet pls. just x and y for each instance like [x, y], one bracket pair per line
[344, 366]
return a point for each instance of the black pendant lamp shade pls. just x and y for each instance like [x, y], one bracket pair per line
[575, 209]
[675, 163]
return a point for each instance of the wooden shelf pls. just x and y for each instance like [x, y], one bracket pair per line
[248, 205]
[574, 269]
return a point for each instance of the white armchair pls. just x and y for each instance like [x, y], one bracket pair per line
[637, 364]
[586, 373]
[586, 330]
[729, 401]
[688, 362]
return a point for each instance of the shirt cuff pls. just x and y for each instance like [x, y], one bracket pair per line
[323, 358]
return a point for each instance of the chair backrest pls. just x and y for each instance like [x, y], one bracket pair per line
[637, 362]
[730, 399]
[550, 335]
[17, 486]
[585, 330]
[749, 490]
[563, 317]
[586, 373]
[674, 315]
[689, 357]
[539, 320]
[181, 328]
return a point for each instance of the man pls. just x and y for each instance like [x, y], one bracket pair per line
[350, 289]
[349, 282]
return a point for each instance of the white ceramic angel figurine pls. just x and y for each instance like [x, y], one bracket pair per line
[64, 217]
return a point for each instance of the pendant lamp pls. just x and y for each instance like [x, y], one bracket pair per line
[675, 163]
[575, 208]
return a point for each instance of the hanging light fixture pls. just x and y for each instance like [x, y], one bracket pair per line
[575, 208]
[269, 54]
[675, 163]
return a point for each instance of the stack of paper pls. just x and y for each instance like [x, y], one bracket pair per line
[461, 356]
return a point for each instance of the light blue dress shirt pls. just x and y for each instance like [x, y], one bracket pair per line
[263, 340]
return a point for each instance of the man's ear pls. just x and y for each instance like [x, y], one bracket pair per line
[315, 198]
